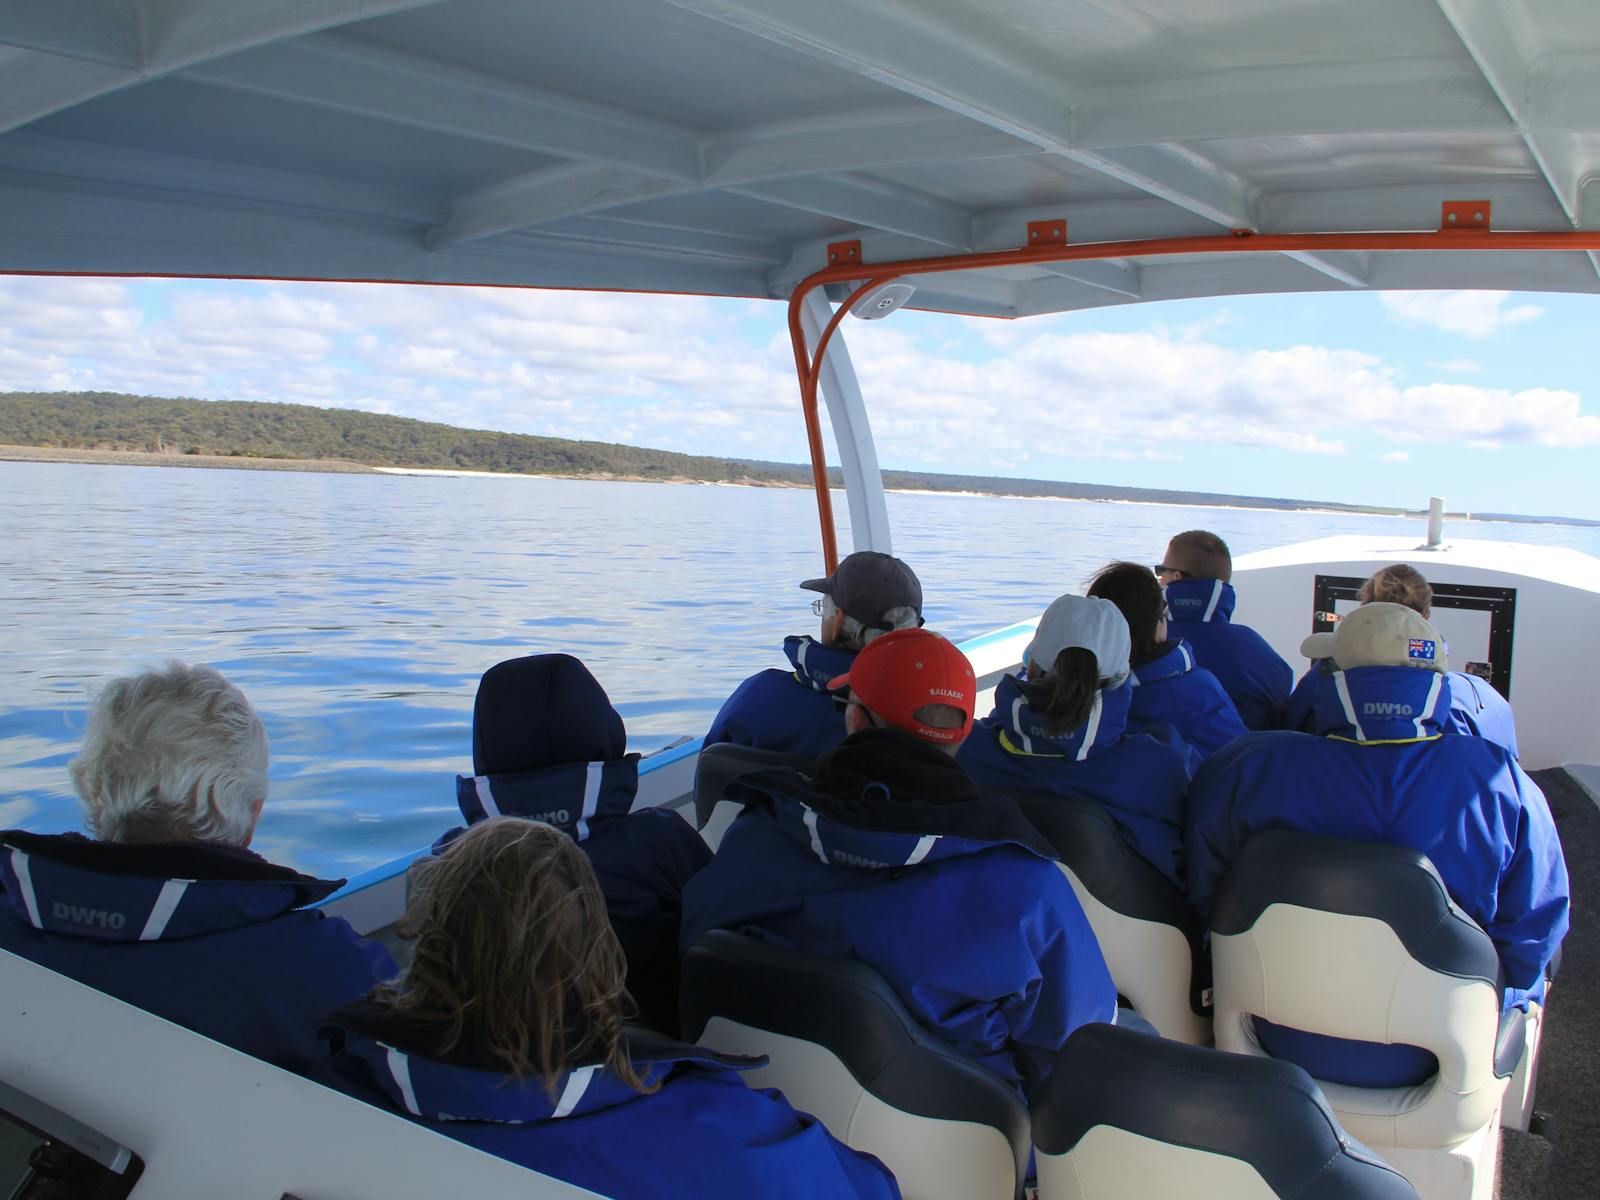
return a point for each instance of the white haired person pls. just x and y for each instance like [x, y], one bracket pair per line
[165, 907]
[868, 595]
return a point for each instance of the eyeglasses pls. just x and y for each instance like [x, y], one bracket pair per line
[1162, 569]
[819, 605]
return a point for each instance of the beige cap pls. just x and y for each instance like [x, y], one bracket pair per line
[1380, 635]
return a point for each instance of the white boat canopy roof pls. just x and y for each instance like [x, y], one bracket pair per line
[719, 146]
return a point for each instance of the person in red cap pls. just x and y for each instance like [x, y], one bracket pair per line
[793, 711]
[888, 853]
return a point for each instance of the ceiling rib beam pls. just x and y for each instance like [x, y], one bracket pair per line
[1123, 279]
[1299, 100]
[79, 51]
[354, 77]
[872, 206]
[913, 53]
[1483, 29]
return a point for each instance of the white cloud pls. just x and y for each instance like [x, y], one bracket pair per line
[688, 374]
[1471, 314]
[1394, 456]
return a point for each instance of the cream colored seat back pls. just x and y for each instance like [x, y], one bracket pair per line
[1125, 1116]
[843, 1048]
[1147, 932]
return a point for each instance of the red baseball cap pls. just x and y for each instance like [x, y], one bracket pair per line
[900, 672]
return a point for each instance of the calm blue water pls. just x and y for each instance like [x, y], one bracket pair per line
[357, 611]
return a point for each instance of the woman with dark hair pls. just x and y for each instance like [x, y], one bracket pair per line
[505, 1032]
[1168, 686]
[1061, 728]
[1476, 708]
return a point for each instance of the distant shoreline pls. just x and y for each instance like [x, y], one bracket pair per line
[231, 462]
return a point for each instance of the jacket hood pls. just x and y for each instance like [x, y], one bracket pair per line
[542, 711]
[571, 796]
[884, 800]
[1022, 732]
[110, 891]
[406, 1064]
[1176, 660]
[814, 663]
[1200, 600]
[1382, 704]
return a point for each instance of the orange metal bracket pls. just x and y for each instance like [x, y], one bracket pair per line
[1467, 216]
[1469, 231]
[1042, 234]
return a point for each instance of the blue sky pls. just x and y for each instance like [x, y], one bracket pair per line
[1486, 398]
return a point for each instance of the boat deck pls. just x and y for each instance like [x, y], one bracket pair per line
[1565, 1164]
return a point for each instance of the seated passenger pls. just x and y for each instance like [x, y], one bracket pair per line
[793, 711]
[1195, 574]
[1063, 730]
[548, 745]
[505, 1032]
[1476, 708]
[1168, 685]
[166, 908]
[890, 855]
[1382, 772]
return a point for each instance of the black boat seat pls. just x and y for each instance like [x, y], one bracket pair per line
[1126, 1116]
[1147, 932]
[1361, 941]
[718, 766]
[843, 1048]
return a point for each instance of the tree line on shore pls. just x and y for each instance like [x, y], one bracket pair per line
[249, 429]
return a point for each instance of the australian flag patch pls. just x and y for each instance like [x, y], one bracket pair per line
[1421, 648]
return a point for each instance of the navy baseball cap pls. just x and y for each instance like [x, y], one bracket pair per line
[868, 584]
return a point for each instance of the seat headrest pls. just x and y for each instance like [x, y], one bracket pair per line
[1393, 884]
[1259, 1110]
[720, 764]
[848, 1008]
[1089, 844]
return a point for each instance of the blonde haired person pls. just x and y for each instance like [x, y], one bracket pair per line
[506, 1032]
[1476, 708]
[165, 907]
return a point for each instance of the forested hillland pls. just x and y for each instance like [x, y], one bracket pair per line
[242, 429]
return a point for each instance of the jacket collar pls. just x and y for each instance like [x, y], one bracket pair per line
[1023, 733]
[571, 796]
[406, 1064]
[1176, 660]
[1200, 600]
[1382, 704]
[814, 663]
[884, 800]
[109, 891]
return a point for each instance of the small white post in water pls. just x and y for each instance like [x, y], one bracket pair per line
[1435, 523]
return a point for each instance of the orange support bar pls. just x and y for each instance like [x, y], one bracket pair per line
[808, 365]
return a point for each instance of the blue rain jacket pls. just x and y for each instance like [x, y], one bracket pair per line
[892, 857]
[212, 937]
[703, 1133]
[1141, 778]
[1249, 670]
[788, 711]
[536, 725]
[1384, 772]
[1476, 709]
[1172, 689]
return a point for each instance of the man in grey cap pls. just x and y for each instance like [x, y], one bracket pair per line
[793, 711]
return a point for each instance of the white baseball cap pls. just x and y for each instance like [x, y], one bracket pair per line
[1089, 623]
[1380, 635]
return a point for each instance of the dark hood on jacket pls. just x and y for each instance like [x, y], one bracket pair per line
[540, 711]
[890, 781]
